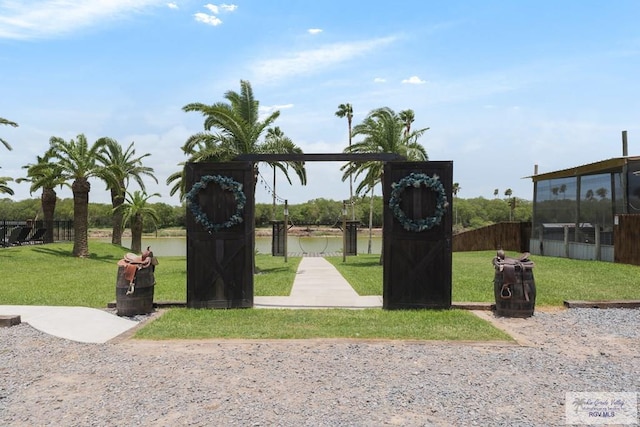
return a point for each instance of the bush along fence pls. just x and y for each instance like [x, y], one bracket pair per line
[19, 232]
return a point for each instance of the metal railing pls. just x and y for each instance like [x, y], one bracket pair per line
[57, 231]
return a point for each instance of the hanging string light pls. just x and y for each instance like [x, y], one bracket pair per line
[269, 189]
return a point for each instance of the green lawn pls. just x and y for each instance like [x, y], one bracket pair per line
[49, 275]
[556, 279]
[331, 323]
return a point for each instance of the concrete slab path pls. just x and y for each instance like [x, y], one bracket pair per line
[319, 285]
[82, 324]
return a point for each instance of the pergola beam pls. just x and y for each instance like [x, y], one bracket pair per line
[321, 157]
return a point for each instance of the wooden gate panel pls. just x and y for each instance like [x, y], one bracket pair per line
[417, 265]
[220, 263]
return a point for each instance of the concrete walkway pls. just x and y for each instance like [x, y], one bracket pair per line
[82, 324]
[317, 285]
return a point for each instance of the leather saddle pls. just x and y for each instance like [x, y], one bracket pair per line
[132, 263]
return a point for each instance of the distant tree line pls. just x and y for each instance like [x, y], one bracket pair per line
[467, 213]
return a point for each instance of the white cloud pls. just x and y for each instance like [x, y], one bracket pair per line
[215, 10]
[379, 80]
[207, 19]
[172, 6]
[21, 20]
[414, 80]
[270, 108]
[266, 110]
[212, 8]
[228, 7]
[311, 61]
[314, 31]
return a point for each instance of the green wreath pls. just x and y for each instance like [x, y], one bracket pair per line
[226, 184]
[416, 180]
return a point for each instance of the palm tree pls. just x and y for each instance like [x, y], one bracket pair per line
[508, 192]
[277, 142]
[46, 176]
[383, 132]
[118, 168]
[455, 189]
[4, 180]
[407, 117]
[602, 192]
[4, 188]
[135, 210]
[346, 110]
[238, 131]
[78, 162]
[563, 189]
[8, 123]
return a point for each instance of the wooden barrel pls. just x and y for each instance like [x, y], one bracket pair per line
[141, 300]
[516, 299]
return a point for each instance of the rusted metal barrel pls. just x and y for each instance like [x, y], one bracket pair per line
[140, 301]
[514, 286]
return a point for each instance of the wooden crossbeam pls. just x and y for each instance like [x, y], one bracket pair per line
[321, 157]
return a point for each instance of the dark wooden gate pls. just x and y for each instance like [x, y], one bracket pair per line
[220, 248]
[417, 264]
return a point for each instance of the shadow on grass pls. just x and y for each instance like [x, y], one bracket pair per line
[64, 253]
[271, 270]
[367, 264]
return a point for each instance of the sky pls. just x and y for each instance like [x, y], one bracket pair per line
[502, 86]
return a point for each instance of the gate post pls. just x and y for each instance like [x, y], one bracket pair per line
[417, 235]
[220, 234]
[277, 238]
[352, 237]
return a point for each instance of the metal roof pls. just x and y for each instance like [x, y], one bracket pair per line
[604, 166]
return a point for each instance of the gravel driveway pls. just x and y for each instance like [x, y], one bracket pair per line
[47, 381]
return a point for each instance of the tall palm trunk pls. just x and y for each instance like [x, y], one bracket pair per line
[80, 188]
[117, 199]
[353, 206]
[48, 200]
[370, 222]
[136, 233]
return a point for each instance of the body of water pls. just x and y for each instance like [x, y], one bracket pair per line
[177, 246]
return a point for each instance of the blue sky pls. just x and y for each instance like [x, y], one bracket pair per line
[502, 86]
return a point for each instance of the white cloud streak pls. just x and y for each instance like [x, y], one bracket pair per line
[207, 19]
[315, 60]
[228, 7]
[414, 80]
[172, 6]
[30, 19]
[212, 8]
[314, 31]
[215, 10]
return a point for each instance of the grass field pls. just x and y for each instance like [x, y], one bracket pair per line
[49, 275]
[556, 279]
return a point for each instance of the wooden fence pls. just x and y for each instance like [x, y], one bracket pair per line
[626, 239]
[510, 236]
